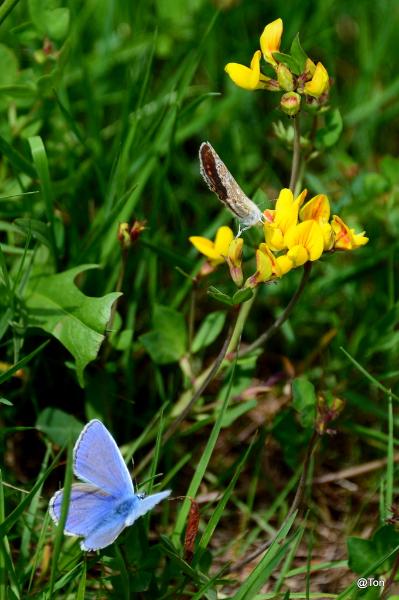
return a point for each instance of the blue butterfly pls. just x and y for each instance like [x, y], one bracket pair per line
[106, 503]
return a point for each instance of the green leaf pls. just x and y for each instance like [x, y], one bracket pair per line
[364, 553]
[288, 61]
[59, 426]
[389, 167]
[298, 53]
[375, 184]
[209, 330]
[292, 438]
[304, 401]
[329, 135]
[9, 66]
[6, 402]
[58, 23]
[167, 341]
[78, 321]
[219, 296]
[49, 19]
[242, 296]
[18, 90]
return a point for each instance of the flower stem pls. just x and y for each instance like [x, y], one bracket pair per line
[262, 339]
[296, 157]
[201, 383]
[239, 325]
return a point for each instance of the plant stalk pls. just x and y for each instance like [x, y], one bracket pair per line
[296, 157]
[262, 339]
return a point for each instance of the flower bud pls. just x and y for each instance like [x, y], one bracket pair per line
[128, 234]
[234, 261]
[285, 78]
[264, 269]
[327, 412]
[290, 103]
[123, 235]
[136, 229]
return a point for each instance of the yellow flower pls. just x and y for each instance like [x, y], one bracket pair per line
[319, 82]
[285, 264]
[304, 242]
[318, 209]
[310, 68]
[215, 251]
[264, 268]
[282, 218]
[249, 78]
[234, 260]
[267, 266]
[346, 238]
[266, 250]
[270, 40]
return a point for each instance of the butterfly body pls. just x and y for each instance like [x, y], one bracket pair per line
[222, 183]
[105, 503]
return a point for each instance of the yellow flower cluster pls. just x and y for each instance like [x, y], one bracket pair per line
[295, 74]
[295, 233]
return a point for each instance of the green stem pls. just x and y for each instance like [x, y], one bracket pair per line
[262, 339]
[6, 8]
[296, 157]
[241, 320]
[204, 379]
[118, 288]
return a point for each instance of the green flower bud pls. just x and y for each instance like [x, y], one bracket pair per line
[285, 78]
[290, 103]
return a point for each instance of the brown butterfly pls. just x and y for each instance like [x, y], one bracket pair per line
[222, 183]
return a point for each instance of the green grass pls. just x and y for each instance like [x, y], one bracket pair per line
[103, 107]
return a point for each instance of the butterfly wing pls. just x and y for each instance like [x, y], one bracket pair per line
[145, 504]
[97, 460]
[97, 517]
[88, 506]
[222, 183]
[105, 534]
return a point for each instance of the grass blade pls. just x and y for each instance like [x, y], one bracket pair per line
[218, 512]
[202, 465]
[13, 517]
[59, 534]
[21, 363]
[372, 379]
[41, 164]
[267, 564]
